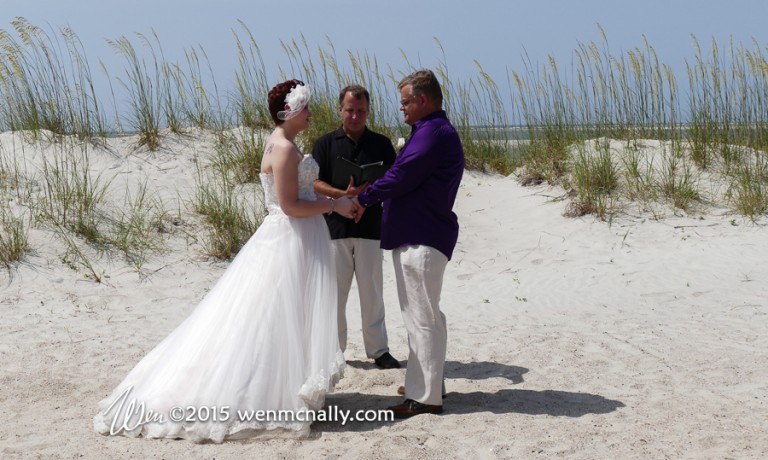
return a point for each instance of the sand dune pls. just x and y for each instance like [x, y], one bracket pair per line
[568, 337]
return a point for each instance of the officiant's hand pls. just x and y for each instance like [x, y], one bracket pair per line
[352, 190]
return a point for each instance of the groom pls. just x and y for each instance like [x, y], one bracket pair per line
[419, 226]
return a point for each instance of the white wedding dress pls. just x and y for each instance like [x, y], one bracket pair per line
[264, 338]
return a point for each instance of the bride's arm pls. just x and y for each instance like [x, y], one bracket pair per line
[285, 168]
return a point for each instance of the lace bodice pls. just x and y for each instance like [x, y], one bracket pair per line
[308, 171]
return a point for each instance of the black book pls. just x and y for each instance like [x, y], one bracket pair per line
[343, 169]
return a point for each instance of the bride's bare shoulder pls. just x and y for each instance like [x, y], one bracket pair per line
[277, 150]
[277, 144]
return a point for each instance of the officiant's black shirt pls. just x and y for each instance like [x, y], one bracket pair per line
[371, 148]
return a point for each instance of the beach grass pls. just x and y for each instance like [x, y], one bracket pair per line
[15, 215]
[750, 186]
[231, 217]
[635, 96]
[238, 155]
[73, 195]
[66, 195]
[135, 229]
[46, 83]
[595, 177]
[716, 125]
[148, 84]
[637, 172]
[14, 236]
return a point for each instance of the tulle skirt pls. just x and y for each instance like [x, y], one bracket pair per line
[263, 339]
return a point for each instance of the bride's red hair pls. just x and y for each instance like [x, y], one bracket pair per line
[276, 97]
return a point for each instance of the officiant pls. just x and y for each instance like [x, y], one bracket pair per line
[356, 246]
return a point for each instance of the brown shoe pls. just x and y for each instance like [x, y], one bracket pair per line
[409, 408]
[401, 391]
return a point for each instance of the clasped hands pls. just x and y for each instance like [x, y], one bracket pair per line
[349, 207]
[355, 212]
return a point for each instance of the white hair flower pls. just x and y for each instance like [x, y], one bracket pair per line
[296, 100]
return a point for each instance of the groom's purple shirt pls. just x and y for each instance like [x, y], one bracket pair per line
[419, 190]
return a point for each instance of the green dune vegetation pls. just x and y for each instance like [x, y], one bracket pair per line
[610, 129]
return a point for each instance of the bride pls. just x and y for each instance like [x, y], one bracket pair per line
[264, 340]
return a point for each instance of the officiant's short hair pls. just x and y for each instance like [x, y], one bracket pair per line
[358, 92]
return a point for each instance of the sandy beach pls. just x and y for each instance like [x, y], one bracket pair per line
[642, 337]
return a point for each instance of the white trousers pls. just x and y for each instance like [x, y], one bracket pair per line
[362, 258]
[419, 273]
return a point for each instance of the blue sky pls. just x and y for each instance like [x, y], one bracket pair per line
[494, 32]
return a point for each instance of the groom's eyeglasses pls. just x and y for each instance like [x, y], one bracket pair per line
[405, 102]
